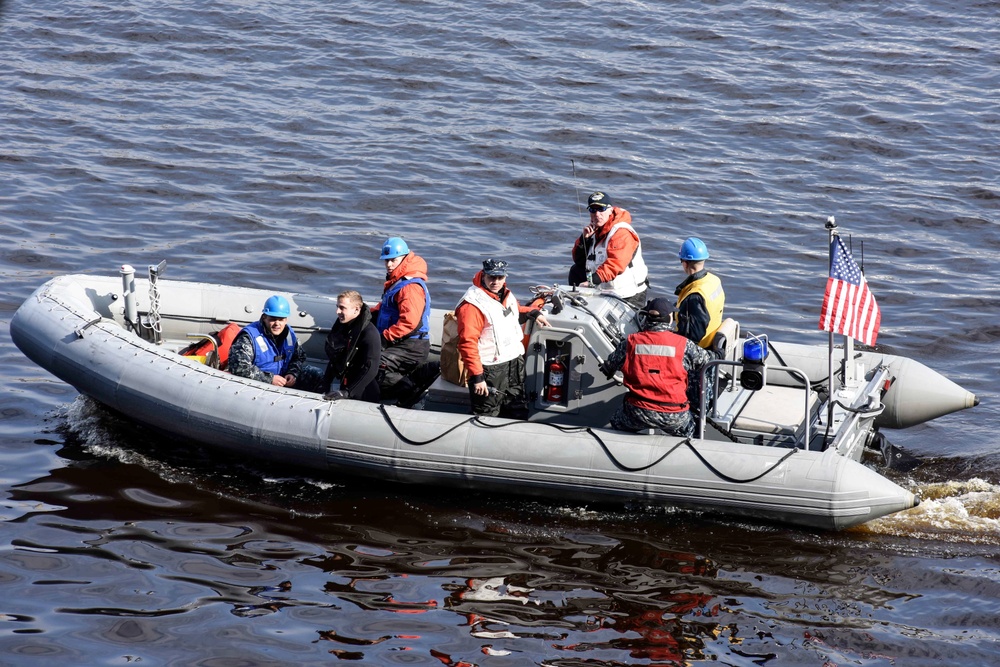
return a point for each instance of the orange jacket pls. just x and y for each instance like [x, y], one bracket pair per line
[470, 325]
[410, 299]
[621, 247]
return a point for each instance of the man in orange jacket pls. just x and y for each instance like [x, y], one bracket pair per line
[609, 254]
[403, 319]
[489, 342]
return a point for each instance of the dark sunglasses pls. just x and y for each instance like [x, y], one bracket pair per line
[595, 208]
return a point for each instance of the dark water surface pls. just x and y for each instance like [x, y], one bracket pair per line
[276, 144]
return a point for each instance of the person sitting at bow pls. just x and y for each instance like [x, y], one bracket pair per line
[609, 253]
[660, 369]
[268, 351]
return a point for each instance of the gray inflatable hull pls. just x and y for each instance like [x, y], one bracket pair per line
[72, 328]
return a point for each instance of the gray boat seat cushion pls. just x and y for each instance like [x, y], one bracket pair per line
[776, 409]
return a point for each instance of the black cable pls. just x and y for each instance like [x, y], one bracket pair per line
[721, 431]
[726, 477]
[388, 420]
[817, 385]
[607, 452]
[859, 411]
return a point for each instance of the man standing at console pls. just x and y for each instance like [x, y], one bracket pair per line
[490, 342]
[608, 252]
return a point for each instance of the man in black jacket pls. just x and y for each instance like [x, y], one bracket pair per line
[354, 347]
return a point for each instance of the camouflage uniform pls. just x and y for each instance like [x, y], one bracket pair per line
[632, 418]
[241, 358]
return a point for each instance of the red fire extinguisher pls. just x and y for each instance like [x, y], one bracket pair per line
[557, 380]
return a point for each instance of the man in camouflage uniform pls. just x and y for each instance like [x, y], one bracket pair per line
[268, 351]
[661, 370]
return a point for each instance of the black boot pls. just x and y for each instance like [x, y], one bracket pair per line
[417, 384]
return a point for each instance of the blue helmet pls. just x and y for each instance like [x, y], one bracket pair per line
[394, 247]
[277, 306]
[693, 250]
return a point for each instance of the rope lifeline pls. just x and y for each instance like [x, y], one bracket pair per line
[607, 452]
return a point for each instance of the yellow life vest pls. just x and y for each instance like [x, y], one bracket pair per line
[710, 288]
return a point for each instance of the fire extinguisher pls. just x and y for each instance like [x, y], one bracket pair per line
[557, 379]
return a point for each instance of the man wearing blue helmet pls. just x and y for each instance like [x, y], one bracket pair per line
[403, 319]
[700, 298]
[268, 351]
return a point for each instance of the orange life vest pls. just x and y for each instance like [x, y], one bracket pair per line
[223, 340]
[654, 371]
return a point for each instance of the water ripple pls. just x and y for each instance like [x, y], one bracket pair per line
[277, 144]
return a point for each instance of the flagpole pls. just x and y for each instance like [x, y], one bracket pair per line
[848, 367]
[831, 226]
[848, 308]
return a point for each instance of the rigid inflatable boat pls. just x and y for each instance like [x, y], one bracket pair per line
[780, 436]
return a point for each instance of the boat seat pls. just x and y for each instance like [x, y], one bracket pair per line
[446, 397]
[730, 328]
[775, 410]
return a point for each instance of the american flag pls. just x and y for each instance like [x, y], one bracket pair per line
[848, 307]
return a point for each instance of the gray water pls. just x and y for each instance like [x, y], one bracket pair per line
[276, 145]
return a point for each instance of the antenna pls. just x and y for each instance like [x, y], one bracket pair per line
[576, 184]
[579, 208]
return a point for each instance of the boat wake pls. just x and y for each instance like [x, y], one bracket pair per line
[96, 430]
[103, 434]
[952, 511]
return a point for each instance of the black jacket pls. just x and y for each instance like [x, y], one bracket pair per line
[354, 350]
